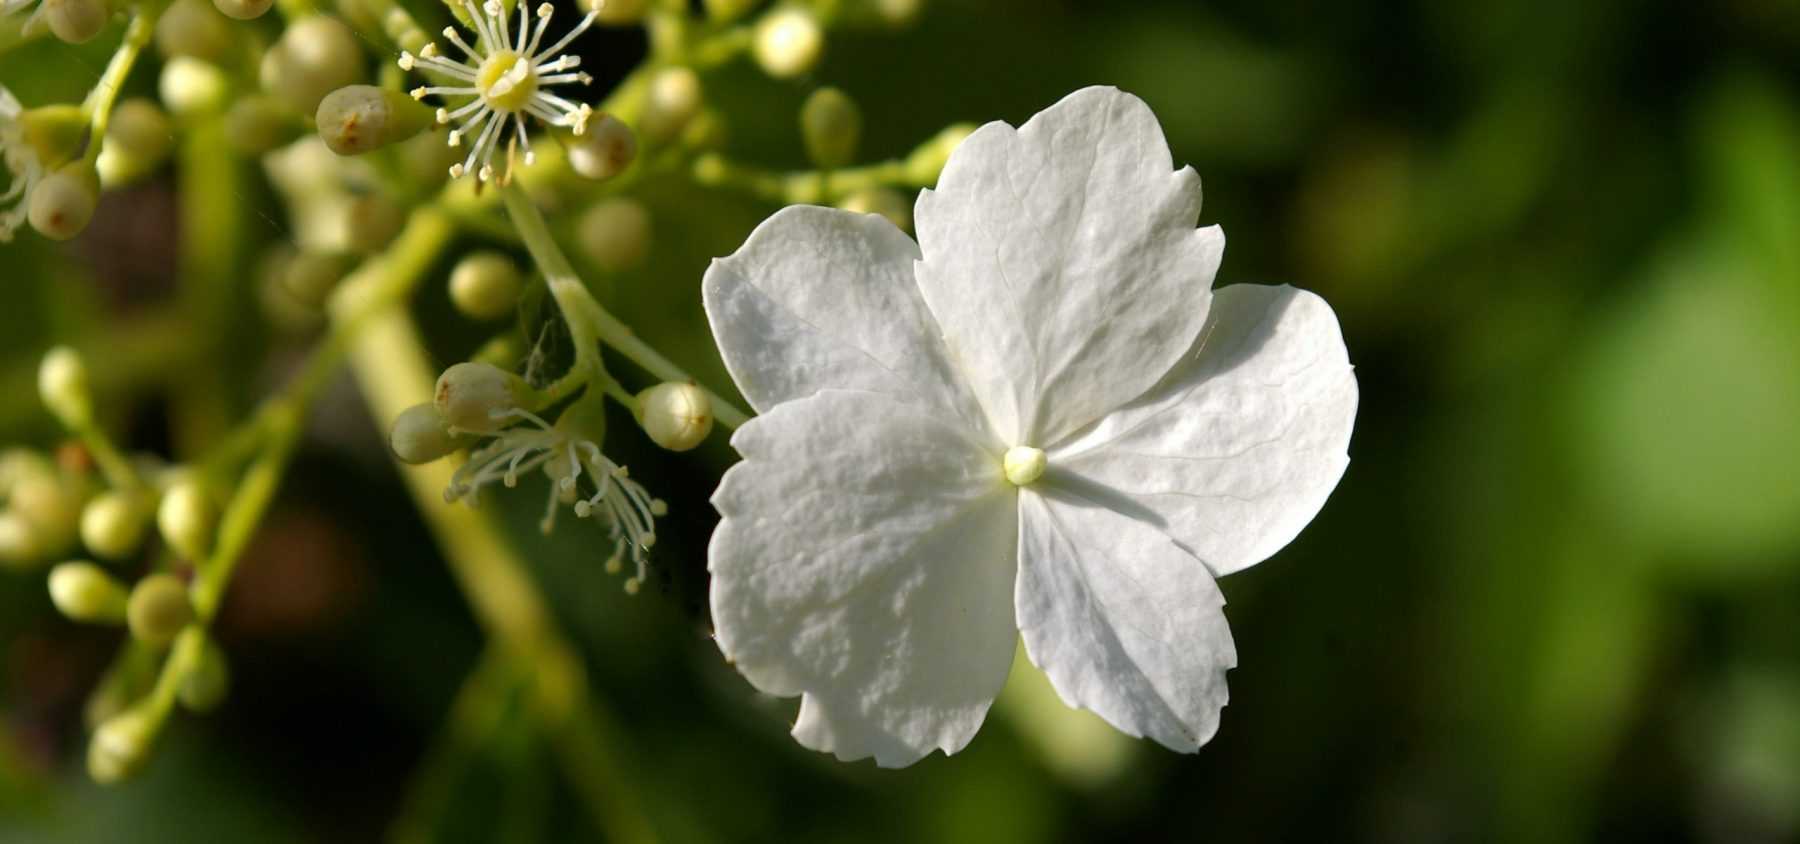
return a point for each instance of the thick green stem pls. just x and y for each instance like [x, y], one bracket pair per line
[100, 100]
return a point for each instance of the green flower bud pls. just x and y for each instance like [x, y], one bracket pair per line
[158, 609]
[315, 56]
[478, 398]
[707, 131]
[256, 124]
[831, 125]
[374, 221]
[243, 10]
[485, 285]
[114, 523]
[614, 233]
[63, 203]
[310, 277]
[195, 29]
[56, 133]
[676, 416]
[899, 12]
[49, 505]
[926, 162]
[887, 202]
[788, 42]
[208, 675]
[83, 591]
[187, 518]
[189, 86]
[121, 744]
[616, 12]
[359, 118]
[63, 386]
[76, 21]
[138, 140]
[728, 10]
[672, 100]
[19, 543]
[605, 151]
[420, 435]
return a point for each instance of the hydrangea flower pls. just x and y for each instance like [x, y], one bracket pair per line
[506, 77]
[22, 165]
[1039, 420]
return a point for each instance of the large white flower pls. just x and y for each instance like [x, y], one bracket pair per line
[23, 170]
[1039, 420]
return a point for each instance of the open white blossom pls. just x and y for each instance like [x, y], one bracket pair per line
[23, 170]
[506, 76]
[1039, 420]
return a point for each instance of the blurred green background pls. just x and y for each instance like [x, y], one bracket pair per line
[1556, 597]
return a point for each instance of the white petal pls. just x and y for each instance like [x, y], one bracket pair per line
[1125, 623]
[1238, 448]
[866, 560]
[819, 298]
[1062, 261]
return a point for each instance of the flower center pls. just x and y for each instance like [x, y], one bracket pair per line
[506, 81]
[1024, 464]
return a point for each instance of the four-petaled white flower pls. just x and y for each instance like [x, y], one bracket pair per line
[22, 166]
[507, 77]
[1039, 420]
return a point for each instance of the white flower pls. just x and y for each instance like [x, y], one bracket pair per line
[506, 77]
[23, 170]
[567, 453]
[1039, 420]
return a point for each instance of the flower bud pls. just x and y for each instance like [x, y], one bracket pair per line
[356, 119]
[372, 222]
[725, 11]
[63, 386]
[138, 140]
[676, 416]
[189, 86]
[83, 591]
[114, 523]
[310, 277]
[208, 675]
[76, 21]
[485, 285]
[19, 544]
[256, 124]
[616, 12]
[926, 162]
[186, 518]
[49, 506]
[315, 56]
[707, 131]
[195, 29]
[158, 609]
[63, 203]
[605, 151]
[672, 100]
[887, 202]
[831, 125]
[788, 42]
[478, 398]
[614, 233]
[420, 435]
[243, 10]
[122, 743]
[57, 133]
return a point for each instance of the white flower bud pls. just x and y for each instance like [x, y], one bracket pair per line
[243, 10]
[673, 99]
[605, 151]
[315, 56]
[63, 202]
[208, 675]
[138, 140]
[485, 285]
[355, 119]
[788, 42]
[122, 743]
[420, 435]
[158, 609]
[478, 398]
[187, 518]
[76, 21]
[676, 416]
[614, 233]
[831, 126]
[63, 387]
[195, 29]
[19, 544]
[114, 523]
[887, 202]
[83, 591]
[50, 507]
[189, 86]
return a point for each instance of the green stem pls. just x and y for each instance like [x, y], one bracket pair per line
[579, 306]
[100, 100]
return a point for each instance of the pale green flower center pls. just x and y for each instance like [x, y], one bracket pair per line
[1024, 464]
[506, 81]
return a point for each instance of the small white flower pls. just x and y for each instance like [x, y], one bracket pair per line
[1038, 420]
[567, 456]
[507, 76]
[22, 165]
